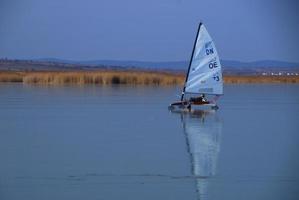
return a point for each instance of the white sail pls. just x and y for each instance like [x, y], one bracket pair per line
[205, 75]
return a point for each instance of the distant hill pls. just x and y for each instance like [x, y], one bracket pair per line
[260, 63]
[176, 65]
[229, 66]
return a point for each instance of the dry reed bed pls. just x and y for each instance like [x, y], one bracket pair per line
[260, 79]
[11, 76]
[125, 77]
[96, 77]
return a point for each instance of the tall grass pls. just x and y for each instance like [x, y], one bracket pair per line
[125, 77]
[11, 77]
[103, 78]
[260, 79]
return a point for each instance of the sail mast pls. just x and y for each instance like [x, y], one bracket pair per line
[190, 63]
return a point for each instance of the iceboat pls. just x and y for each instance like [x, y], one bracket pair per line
[204, 76]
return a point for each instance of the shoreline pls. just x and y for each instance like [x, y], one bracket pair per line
[128, 77]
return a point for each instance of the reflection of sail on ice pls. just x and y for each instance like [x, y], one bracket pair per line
[203, 141]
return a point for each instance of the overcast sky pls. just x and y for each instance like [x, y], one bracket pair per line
[147, 30]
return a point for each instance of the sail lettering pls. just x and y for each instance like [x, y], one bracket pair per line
[209, 48]
[209, 51]
[213, 65]
[216, 78]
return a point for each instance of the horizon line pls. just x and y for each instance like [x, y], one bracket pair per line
[132, 60]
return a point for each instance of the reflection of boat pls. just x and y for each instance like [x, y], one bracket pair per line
[204, 74]
[202, 131]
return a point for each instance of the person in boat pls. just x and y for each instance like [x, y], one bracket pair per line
[197, 100]
[200, 99]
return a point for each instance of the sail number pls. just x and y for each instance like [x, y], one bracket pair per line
[216, 78]
[213, 65]
[209, 51]
[209, 48]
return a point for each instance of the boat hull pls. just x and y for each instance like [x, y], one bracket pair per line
[192, 106]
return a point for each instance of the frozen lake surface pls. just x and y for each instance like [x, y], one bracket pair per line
[120, 142]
